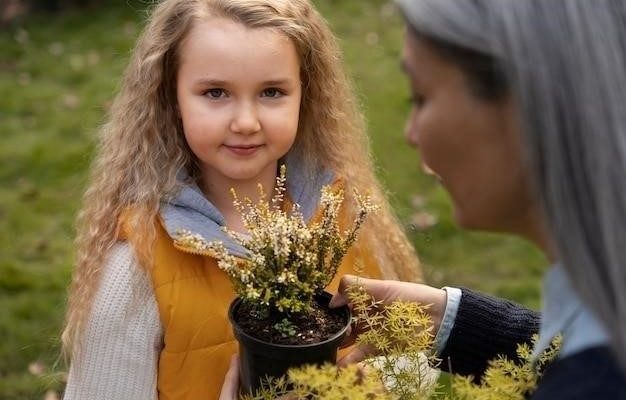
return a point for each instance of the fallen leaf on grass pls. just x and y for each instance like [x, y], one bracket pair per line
[71, 101]
[418, 202]
[51, 395]
[77, 62]
[93, 58]
[56, 48]
[41, 245]
[21, 36]
[29, 193]
[130, 29]
[23, 79]
[387, 10]
[423, 220]
[371, 38]
[37, 368]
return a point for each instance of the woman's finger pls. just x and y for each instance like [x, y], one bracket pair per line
[358, 354]
[341, 297]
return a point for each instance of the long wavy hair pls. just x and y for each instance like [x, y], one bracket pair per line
[142, 147]
[564, 63]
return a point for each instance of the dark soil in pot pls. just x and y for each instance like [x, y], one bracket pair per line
[311, 328]
[265, 351]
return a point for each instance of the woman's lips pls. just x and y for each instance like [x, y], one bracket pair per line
[428, 171]
[243, 150]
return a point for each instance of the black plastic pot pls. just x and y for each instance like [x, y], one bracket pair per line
[259, 359]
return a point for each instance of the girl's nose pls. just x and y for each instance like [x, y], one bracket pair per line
[245, 119]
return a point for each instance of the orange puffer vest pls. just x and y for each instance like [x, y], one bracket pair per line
[193, 297]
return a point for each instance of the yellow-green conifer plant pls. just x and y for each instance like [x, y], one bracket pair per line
[506, 379]
[401, 333]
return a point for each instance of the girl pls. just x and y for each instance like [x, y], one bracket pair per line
[536, 147]
[216, 95]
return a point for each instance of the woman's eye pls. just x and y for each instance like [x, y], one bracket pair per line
[271, 92]
[417, 100]
[215, 93]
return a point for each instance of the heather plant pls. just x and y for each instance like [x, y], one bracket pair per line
[289, 260]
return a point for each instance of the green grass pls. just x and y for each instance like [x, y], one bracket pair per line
[57, 75]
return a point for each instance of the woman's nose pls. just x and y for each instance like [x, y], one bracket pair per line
[246, 119]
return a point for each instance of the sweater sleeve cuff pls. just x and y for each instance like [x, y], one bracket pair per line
[484, 328]
[449, 316]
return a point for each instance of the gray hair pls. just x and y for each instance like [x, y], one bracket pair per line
[565, 65]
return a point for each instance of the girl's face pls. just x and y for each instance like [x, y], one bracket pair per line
[472, 145]
[238, 92]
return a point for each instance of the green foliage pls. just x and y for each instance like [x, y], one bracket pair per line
[286, 328]
[289, 260]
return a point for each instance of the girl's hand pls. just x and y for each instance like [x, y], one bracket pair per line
[230, 388]
[387, 291]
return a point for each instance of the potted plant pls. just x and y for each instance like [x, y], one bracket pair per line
[280, 317]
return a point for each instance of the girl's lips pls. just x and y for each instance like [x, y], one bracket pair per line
[243, 150]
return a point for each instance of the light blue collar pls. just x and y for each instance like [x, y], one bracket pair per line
[564, 313]
[190, 210]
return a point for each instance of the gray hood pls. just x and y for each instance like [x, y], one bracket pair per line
[190, 210]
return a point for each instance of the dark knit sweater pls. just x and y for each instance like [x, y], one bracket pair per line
[486, 327]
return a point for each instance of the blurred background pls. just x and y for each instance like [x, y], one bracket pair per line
[60, 64]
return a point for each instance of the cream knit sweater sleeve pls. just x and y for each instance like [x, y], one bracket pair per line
[123, 336]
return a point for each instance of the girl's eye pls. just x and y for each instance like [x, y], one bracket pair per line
[215, 93]
[271, 92]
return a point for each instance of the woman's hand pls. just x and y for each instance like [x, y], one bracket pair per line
[386, 292]
[230, 388]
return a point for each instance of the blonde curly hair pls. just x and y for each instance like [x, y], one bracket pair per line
[142, 147]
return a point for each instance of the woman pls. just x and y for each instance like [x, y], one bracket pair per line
[519, 108]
